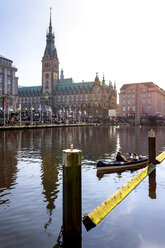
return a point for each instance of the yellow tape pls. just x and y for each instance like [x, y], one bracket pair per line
[99, 213]
[160, 157]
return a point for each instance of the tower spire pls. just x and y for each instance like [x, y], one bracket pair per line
[50, 24]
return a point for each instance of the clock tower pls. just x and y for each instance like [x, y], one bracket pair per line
[50, 66]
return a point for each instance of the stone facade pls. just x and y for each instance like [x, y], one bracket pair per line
[8, 83]
[94, 98]
[141, 98]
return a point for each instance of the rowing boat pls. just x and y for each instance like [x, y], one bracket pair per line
[115, 166]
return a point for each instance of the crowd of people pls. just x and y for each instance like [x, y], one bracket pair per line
[35, 118]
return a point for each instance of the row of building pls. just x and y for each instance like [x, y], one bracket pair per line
[60, 93]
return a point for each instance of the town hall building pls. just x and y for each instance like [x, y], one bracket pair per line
[59, 93]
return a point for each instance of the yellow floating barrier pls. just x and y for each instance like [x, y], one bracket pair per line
[99, 213]
[160, 157]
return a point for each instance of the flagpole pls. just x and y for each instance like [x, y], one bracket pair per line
[4, 109]
[51, 115]
[20, 114]
[42, 116]
[40, 111]
[8, 113]
[32, 116]
[31, 109]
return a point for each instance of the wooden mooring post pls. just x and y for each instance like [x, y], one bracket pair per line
[72, 210]
[152, 146]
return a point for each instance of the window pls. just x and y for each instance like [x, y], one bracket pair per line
[9, 72]
[1, 79]
[124, 109]
[9, 90]
[9, 81]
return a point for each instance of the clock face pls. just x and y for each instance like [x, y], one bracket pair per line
[55, 75]
[47, 75]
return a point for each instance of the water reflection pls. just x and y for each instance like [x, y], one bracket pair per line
[49, 171]
[32, 160]
[8, 165]
[134, 140]
[152, 184]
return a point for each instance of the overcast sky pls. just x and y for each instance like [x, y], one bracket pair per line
[124, 39]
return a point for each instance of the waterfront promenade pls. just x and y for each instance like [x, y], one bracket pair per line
[47, 126]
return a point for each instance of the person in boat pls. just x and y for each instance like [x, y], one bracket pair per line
[120, 157]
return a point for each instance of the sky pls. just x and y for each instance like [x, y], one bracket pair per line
[122, 39]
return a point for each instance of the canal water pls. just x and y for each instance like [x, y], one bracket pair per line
[31, 187]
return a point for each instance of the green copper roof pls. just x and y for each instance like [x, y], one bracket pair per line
[62, 85]
[69, 84]
[66, 81]
[50, 46]
[23, 88]
[29, 91]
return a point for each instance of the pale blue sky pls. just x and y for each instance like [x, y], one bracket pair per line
[124, 39]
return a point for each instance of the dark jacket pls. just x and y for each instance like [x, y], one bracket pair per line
[121, 158]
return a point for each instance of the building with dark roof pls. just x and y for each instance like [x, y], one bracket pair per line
[59, 93]
[8, 83]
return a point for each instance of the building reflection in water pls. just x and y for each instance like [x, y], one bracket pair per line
[133, 140]
[49, 171]
[8, 164]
